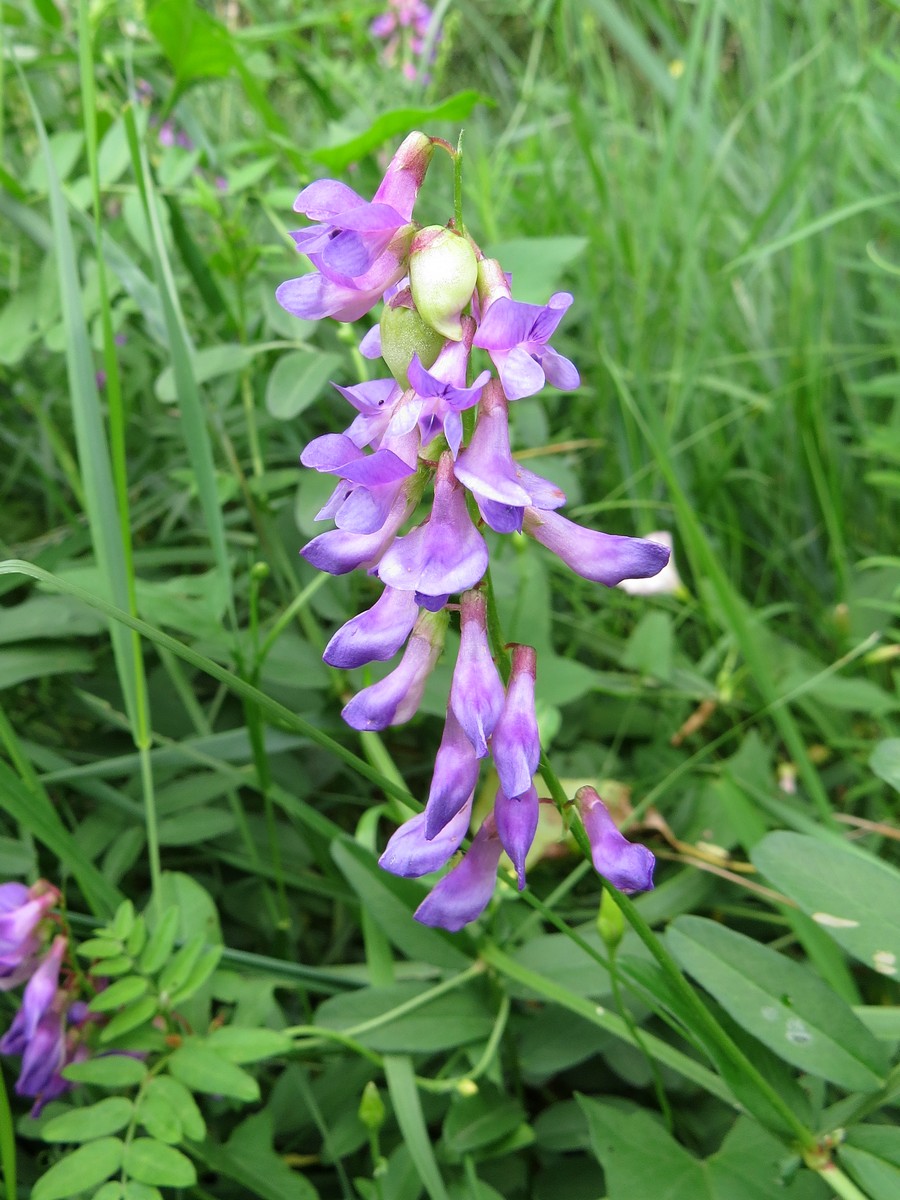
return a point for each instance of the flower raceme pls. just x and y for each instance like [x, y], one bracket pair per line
[409, 440]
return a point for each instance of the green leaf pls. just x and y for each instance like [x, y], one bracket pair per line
[174, 1094]
[871, 1156]
[780, 1002]
[398, 121]
[150, 1161]
[196, 908]
[140, 1191]
[131, 1017]
[109, 1070]
[248, 1045]
[109, 1191]
[297, 380]
[537, 264]
[249, 1159]
[195, 825]
[84, 1168]
[195, 43]
[474, 1122]
[161, 941]
[848, 893]
[123, 922]
[180, 966]
[100, 948]
[159, 1118]
[93, 1121]
[885, 762]
[210, 363]
[123, 991]
[198, 975]
[454, 1019]
[203, 1070]
[34, 662]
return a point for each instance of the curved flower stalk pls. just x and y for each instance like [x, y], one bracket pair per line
[443, 302]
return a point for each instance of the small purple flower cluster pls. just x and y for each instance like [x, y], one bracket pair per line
[403, 25]
[442, 298]
[46, 1029]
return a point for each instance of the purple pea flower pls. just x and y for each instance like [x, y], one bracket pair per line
[442, 391]
[339, 551]
[601, 557]
[37, 999]
[376, 634]
[359, 249]
[21, 911]
[411, 853]
[454, 779]
[516, 743]
[476, 692]
[464, 893]
[444, 555]
[370, 482]
[516, 336]
[42, 1061]
[627, 865]
[396, 698]
[486, 466]
[517, 818]
[375, 402]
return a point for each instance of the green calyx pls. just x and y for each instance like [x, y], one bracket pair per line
[403, 334]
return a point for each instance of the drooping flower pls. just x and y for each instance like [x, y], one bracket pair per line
[665, 582]
[476, 692]
[444, 555]
[376, 634]
[396, 698]
[516, 818]
[441, 391]
[516, 743]
[411, 853]
[486, 465]
[464, 893]
[40, 991]
[601, 557]
[370, 483]
[454, 779]
[627, 865]
[21, 911]
[337, 551]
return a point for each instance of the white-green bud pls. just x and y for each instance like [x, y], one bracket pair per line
[443, 271]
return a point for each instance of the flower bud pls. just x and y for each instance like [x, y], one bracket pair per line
[371, 1107]
[403, 334]
[442, 275]
[610, 922]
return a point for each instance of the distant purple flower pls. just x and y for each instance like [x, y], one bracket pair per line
[517, 819]
[396, 698]
[516, 335]
[454, 779]
[476, 693]
[411, 853]
[444, 555]
[39, 994]
[375, 635]
[627, 865]
[601, 557]
[21, 911]
[463, 894]
[516, 743]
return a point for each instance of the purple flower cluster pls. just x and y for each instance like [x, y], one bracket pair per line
[403, 25]
[435, 423]
[45, 1030]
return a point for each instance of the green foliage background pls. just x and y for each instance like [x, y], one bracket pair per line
[716, 184]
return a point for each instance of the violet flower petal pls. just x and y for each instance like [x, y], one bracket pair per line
[410, 853]
[517, 819]
[486, 466]
[463, 894]
[516, 742]
[601, 557]
[454, 779]
[627, 865]
[376, 634]
[476, 692]
[394, 699]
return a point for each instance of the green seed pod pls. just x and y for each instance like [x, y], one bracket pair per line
[443, 271]
[610, 922]
[403, 334]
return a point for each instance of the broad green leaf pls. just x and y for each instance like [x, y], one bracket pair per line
[123, 922]
[848, 893]
[159, 1118]
[248, 1045]
[780, 1002]
[84, 1168]
[34, 662]
[108, 1070]
[474, 1122]
[140, 1191]
[210, 363]
[179, 967]
[195, 43]
[198, 974]
[885, 762]
[871, 1156]
[397, 121]
[195, 825]
[100, 948]
[169, 1091]
[196, 908]
[133, 1015]
[454, 1019]
[203, 1070]
[249, 1159]
[43, 617]
[161, 941]
[93, 1121]
[123, 991]
[537, 264]
[110, 1191]
[153, 1162]
[297, 380]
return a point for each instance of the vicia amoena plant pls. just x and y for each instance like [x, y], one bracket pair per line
[424, 469]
